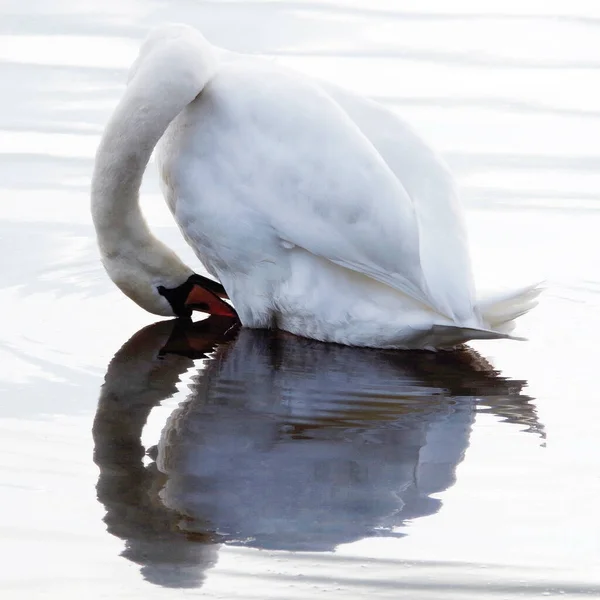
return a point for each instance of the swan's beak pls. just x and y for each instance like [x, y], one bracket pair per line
[203, 300]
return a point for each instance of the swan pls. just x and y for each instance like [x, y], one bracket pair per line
[316, 211]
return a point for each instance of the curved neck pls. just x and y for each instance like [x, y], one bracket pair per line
[174, 65]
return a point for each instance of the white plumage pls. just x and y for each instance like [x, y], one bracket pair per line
[319, 211]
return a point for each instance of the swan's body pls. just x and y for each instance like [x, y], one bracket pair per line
[320, 212]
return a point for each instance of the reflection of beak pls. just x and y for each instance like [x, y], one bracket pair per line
[206, 301]
[195, 340]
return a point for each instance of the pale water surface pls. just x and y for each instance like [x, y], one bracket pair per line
[139, 462]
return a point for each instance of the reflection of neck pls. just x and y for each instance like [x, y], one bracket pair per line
[127, 397]
[137, 381]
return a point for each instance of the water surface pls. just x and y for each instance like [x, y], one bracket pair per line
[140, 460]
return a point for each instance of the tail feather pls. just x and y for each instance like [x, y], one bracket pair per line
[450, 336]
[500, 311]
[498, 314]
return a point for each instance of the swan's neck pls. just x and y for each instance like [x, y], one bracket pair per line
[122, 157]
[173, 67]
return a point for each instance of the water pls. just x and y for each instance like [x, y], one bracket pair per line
[271, 467]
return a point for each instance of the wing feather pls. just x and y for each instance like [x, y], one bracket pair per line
[347, 205]
[444, 251]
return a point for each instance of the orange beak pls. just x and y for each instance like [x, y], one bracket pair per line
[206, 301]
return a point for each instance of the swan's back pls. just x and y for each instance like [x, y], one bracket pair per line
[321, 213]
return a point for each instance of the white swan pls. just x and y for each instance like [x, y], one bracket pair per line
[320, 212]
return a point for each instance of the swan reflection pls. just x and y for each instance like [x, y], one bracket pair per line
[283, 443]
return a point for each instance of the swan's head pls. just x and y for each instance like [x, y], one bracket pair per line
[155, 279]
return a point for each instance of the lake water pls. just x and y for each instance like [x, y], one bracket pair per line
[274, 467]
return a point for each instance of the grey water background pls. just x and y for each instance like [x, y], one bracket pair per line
[282, 468]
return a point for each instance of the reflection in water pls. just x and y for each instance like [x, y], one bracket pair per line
[283, 443]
